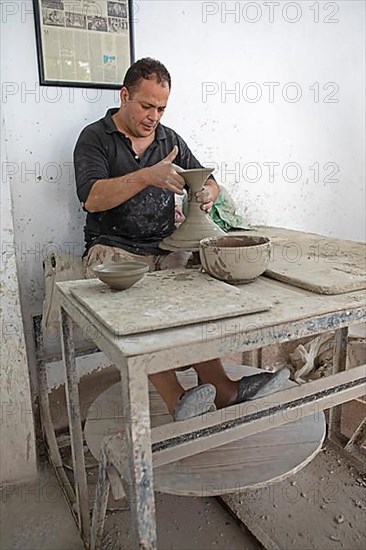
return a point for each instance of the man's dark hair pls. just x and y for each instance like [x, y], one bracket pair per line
[145, 68]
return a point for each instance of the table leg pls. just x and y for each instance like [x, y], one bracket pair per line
[76, 434]
[135, 402]
[100, 502]
[256, 357]
[46, 419]
[339, 365]
[49, 433]
[354, 445]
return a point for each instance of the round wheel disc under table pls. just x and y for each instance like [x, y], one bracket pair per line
[256, 460]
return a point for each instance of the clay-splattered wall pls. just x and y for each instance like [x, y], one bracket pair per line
[278, 107]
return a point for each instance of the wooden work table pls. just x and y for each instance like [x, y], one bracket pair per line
[295, 313]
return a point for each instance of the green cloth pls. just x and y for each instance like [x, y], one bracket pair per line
[223, 212]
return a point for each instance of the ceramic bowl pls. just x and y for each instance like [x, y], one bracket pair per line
[120, 275]
[233, 259]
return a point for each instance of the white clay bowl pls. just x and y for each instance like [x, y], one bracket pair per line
[235, 260]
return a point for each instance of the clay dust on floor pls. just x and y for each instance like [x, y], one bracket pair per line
[320, 508]
[35, 516]
[183, 523]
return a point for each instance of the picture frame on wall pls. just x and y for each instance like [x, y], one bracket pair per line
[83, 43]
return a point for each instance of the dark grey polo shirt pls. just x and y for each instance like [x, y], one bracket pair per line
[139, 224]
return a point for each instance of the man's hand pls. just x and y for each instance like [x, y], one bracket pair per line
[208, 195]
[204, 197]
[165, 174]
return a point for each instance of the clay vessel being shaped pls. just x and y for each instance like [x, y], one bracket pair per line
[198, 224]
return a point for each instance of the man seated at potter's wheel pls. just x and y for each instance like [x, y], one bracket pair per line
[127, 178]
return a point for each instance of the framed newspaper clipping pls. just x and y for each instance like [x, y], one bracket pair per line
[83, 43]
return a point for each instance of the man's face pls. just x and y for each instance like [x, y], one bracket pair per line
[142, 111]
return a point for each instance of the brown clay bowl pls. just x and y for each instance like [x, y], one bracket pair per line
[235, 260]
[120, 275]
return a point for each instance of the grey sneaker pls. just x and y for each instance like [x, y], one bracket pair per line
[261, 384]
[195, 402]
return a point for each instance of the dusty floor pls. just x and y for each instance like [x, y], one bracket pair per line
[320, 508]
[184, 523]
[36, 517]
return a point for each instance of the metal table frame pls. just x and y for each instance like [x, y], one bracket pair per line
[295, 314]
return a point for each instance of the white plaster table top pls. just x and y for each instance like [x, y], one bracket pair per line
[164, 299]
[292, 316]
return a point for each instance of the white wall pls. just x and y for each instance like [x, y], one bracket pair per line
[230, 52]
[225, 51]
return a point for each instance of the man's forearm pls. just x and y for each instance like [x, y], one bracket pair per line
[106, 194]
